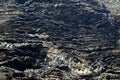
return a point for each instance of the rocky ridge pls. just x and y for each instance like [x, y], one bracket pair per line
[58, 40]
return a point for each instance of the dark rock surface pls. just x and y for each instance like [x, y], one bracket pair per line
[58, 40]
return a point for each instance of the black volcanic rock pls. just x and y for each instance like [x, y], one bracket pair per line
[58, 39]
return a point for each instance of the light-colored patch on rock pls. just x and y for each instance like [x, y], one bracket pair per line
[55, 49]
[47, 44]
[44, 35]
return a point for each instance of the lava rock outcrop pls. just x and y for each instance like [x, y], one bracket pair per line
[58, 40]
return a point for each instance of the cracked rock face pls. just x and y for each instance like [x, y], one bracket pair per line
[58, 40]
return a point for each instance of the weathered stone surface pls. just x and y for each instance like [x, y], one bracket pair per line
[58, 40]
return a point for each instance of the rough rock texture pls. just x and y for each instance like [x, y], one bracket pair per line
[58, 40]
[113, 6]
